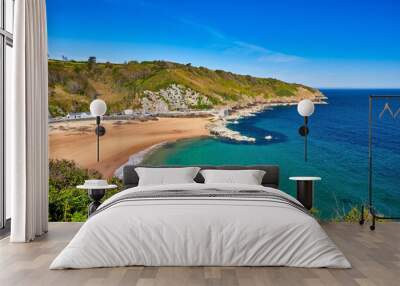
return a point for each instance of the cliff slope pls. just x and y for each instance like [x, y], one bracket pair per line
[159, 86]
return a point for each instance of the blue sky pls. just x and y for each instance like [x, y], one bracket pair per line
[330, 43]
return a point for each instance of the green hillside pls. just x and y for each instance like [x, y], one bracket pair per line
[73, 85]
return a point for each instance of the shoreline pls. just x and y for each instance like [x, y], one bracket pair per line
[139, 157]
[220, 129]
[131, 141]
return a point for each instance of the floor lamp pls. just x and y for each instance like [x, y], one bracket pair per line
[98, 108]
[305, 108]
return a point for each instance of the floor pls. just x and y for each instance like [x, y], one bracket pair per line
[5, 231]
[375, 257]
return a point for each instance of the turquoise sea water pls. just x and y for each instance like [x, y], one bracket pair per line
[338, 150]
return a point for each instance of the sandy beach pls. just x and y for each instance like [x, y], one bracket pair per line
[76, 140]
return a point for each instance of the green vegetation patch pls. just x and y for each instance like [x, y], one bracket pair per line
[73, 85]
[66, 202]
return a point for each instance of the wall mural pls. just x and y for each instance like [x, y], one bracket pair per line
[162, 109]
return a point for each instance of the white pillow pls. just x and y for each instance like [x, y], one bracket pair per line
[247, 177]
[166, 176]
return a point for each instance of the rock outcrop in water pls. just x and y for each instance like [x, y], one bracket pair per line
[220, 129]
[219, 126]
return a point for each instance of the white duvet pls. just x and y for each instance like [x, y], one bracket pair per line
[200, 231]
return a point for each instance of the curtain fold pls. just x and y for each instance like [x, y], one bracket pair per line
[28, 143]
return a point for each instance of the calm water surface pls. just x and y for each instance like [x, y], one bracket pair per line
[338, 150]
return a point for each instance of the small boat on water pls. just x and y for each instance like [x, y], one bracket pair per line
[268, 137]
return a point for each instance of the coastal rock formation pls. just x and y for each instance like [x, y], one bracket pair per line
[228, 115]
[220, 129]
[173, 98]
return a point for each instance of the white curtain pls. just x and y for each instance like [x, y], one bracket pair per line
[26, 145]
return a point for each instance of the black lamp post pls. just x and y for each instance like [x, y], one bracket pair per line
[98, 108]
[305, 109]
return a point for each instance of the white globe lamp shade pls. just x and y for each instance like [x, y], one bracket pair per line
[98, 107]
[305, 107]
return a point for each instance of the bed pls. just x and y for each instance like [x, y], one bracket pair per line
[198, 224]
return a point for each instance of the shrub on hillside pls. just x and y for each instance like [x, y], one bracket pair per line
[66, 202]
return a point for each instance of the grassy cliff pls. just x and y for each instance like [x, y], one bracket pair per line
[72, 85]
